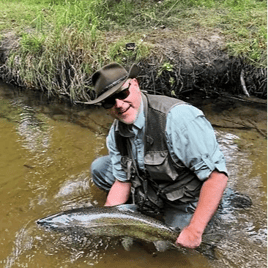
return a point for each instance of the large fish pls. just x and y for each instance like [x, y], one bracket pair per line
[110, 222]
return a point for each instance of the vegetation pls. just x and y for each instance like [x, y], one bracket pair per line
[63, 41]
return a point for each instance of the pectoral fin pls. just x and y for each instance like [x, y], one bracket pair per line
[127, 243]
[162, 246]
[127, 207]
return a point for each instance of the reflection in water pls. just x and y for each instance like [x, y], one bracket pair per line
[31, 126]
[23, 243]
[30, 242]
[51, 148]
[35, 132]
[73, 186]
[244, 243]
[75, 192]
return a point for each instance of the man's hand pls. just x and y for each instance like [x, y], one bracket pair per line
[210, 196]
[189, 238]
[119, 193]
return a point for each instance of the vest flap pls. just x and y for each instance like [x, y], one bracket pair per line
[184, 180]
[183, 190]
[155, 158]
[193, 185]
[175, 195]
[181, 195]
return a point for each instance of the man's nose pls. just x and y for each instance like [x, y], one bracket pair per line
[118, 103]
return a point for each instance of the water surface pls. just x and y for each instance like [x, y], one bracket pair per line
[46, 148]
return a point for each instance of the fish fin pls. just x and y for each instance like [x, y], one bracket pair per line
[127, 243]
[161, 246]
[127, 207]
[176, 229]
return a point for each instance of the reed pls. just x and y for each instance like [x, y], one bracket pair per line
[63, 41]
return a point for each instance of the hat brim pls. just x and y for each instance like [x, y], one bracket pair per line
[133, 73]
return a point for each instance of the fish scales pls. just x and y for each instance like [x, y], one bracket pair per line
[109, 221]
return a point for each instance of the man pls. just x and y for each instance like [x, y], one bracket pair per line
[162, 152]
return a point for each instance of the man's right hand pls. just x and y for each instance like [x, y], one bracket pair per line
[118, 194]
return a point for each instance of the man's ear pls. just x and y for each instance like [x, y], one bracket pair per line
[134, 81]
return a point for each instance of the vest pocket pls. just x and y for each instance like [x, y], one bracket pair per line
[185, 190]
[159, 167]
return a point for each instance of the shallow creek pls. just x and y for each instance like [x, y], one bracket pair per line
[46, 148]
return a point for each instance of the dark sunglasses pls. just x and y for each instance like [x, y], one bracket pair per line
[110, 102]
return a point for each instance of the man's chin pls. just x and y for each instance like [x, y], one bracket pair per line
[127, 119]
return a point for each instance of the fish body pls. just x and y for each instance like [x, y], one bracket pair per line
[110, 222]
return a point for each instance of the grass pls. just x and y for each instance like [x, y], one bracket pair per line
[63, 39]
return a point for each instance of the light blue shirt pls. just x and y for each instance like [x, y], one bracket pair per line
[190, 138]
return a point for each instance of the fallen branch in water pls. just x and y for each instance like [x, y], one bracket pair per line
[244, 126]
[243, 83]
[233, 127]
[257, 128]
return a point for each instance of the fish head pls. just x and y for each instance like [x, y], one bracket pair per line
[70, 220]
[55, 222]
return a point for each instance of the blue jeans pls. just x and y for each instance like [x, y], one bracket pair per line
[101, 171]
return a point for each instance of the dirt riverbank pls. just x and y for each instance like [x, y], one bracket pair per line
[177, 66]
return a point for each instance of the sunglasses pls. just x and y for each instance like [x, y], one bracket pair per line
[110, 102]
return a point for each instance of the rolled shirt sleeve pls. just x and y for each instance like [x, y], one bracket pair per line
[191, 139]
[115, 156]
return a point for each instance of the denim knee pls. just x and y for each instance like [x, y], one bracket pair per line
[96, 167]
[101, 171]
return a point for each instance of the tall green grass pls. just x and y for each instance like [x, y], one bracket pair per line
[241, 21]
[63, 41]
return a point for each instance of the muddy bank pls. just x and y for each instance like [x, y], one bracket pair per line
[174, 67]
[201, 66]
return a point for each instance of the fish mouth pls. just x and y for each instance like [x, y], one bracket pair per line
[47, 225]
[42, 222]
[45, 222]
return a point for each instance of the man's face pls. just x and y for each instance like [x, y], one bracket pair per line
[126, 110]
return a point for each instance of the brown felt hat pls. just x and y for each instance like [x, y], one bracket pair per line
[110, 79]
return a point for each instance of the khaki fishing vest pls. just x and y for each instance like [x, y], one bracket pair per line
[172, 182]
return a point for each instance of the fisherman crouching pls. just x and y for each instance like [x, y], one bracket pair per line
[162, 152]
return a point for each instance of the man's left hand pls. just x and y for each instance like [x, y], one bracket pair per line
[209, 199]
[189, 238]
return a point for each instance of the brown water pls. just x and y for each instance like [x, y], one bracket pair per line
[45, 152]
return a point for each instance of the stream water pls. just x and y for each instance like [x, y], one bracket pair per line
[46, 148]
